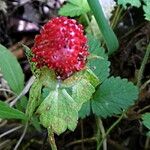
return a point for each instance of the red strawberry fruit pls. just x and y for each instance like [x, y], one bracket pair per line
[61, 46]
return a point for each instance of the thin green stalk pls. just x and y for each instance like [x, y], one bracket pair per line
[145, 84]
[93, 139]
[109, 130]
[141, 71]
[22, 136]
[52, 140]
[116, 16]
[88, 22]
[147, 143]
[108, 34]
[102, 129]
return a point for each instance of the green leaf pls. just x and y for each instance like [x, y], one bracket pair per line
[146, 9]
[11, 70]
[107, 32]
[45, 77]
[7, 112]
[113, 96]
[22, 104]
[146, 120]
[148, 134]
[59, 110]
[136, 3]
[35, 122]
[74, 8]
[34, 98]
[29, 56]
[99, 65]
[85, 110]
[81, 92]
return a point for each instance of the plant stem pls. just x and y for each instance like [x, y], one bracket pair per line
[110, 129]
[52, 140]
[147, 143]
[108, 34]
[116, 16]
[88, 22]
[143, 109]
[82, 140]
[144, 85]
[22, 136]
[141, 71]
[102, 129]
[10, 131]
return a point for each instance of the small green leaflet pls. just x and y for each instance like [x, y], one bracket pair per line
[99, 65]
[29, 55]
[136, 3]
[7, 112]
[146, 9]
[58, 111]
[74, 8]
[146, 121]
[11, 70]
[114, 95]
[85, 110]
[111, 97]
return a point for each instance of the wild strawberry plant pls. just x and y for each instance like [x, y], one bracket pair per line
[72, 71]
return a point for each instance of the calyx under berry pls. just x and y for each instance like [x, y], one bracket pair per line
[61, 46]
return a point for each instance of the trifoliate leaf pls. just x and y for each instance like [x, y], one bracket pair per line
[62, 100]
[74, 8]
[59, 110]
[146, 120]
[99, 65]
[114, 95]
[136, 3]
